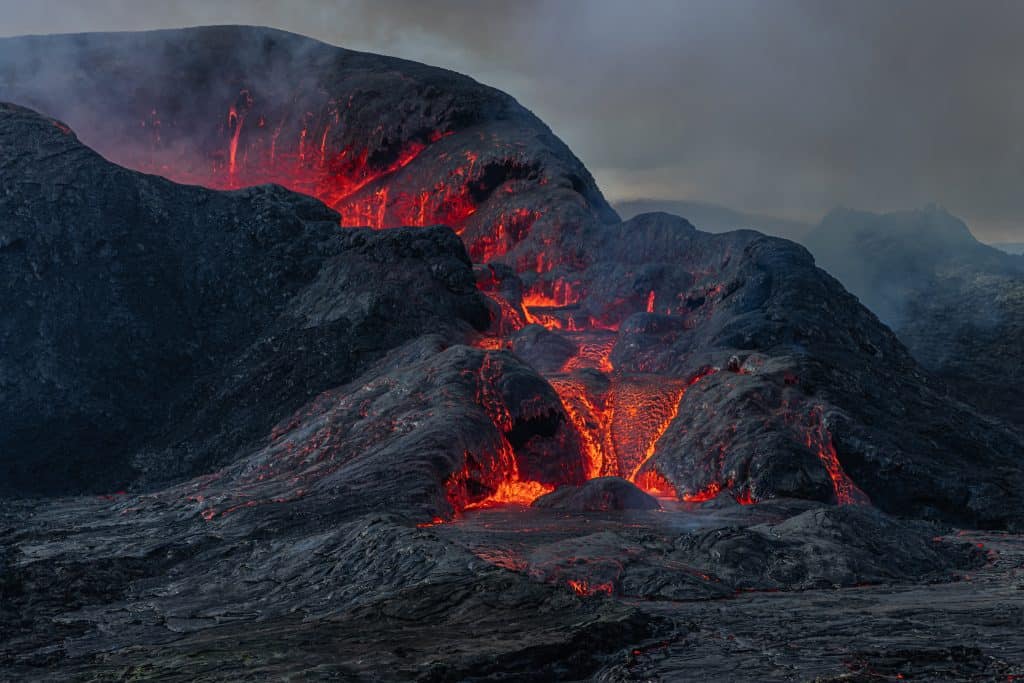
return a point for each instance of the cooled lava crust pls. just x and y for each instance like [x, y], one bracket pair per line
[691, 364]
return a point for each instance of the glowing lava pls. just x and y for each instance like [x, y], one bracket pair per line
[619, 419]
[819, 440]
[488, 481]
[584, 587]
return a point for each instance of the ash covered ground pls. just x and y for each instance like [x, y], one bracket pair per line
[483, 430]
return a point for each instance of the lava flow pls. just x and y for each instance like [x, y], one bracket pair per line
[258, 144]
[819, 439]
[422, 177]
[479, 485]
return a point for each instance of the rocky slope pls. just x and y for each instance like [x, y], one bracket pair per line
[328, 436]
[155, 328]
[384, 141]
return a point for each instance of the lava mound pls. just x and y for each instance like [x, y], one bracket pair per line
[598, 495]
[168, 331]
[157, 330]
[383, 141]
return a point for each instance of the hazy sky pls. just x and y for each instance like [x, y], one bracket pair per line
[788, 107]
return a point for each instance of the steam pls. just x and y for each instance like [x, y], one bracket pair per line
[783, 108]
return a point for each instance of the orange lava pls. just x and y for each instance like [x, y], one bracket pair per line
[592, 419]
[746, 498]
[584, 587]
[620, 431]
[820, 440]
[642, 410]
[709, 493]
[507, 230]
[513, 492]
[553, 294]
[652, 482]
[592, 352]
[496, 473]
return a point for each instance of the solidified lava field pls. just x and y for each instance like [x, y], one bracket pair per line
[322, 364]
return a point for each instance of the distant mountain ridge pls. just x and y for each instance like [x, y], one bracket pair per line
[716, 218]
[956, 303]
[882, 258]
[1016, 248]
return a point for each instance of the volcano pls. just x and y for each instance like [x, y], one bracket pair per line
[314, 315]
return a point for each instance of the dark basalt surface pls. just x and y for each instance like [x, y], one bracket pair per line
[782, 366]
[328, 436]
[598, 495]
[155, 329]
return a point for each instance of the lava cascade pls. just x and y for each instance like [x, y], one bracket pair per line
[819, 439]
[618, 427]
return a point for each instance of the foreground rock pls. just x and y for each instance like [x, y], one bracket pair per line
[677, 554]
[827, 547]
[598, 495]
[156, 330]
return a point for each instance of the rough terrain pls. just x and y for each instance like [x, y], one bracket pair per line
[243, 434]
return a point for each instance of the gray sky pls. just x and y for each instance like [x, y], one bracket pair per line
[788, 107]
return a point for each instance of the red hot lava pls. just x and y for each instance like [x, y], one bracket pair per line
[618, 427]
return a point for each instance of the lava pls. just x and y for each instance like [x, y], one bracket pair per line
[655, 484]
[819, 440]
[304, 155]
[620, 429]
[488, 481]
[584, 587]
[592, 419]
[643, 409]
[513, 491]
[593, 351]
[710, 492]
[619, 426]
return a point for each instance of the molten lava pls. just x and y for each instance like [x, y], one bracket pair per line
[619, 420]
[642, 409]
[591, 417]
[655, 484]
[492, 479]
[584, 587]
[710, 492]
[819, 440]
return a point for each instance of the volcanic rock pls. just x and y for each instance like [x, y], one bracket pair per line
[598, 495]
[826, 403]
[311, 420]
[384, 141]
[157, 329]
[826, 547]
